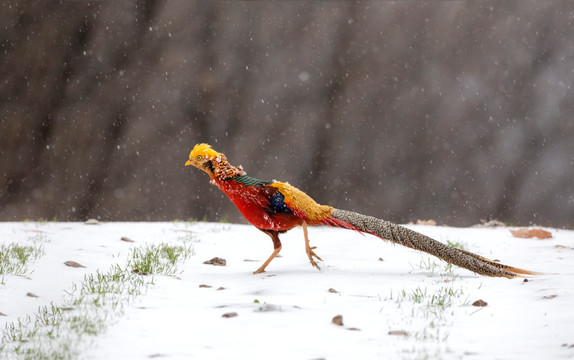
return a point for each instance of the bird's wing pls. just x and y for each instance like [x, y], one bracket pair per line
[302, 205]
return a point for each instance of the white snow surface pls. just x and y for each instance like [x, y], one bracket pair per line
[286, 312]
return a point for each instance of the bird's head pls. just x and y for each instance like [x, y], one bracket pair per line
[215, 164]
[205, 158]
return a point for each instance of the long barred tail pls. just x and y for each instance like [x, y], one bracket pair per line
[409, 238]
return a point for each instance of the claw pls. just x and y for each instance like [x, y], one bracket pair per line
[309, 249]
[311, 254]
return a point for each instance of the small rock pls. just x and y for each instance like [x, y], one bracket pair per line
[354, 329]
[333, 291]
[525, 280]
[381, 259]
[126, 239]
[220, 288]
[338, 320]
[92, 222]
[548, 297]
[74, 264]
[32, 295]
[480, 303]
[398, 332]
[205, 286]
[229, 315]
[216, 261]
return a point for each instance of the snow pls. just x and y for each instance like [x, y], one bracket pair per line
[286, 312]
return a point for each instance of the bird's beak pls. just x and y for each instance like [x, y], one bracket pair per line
[188, 162]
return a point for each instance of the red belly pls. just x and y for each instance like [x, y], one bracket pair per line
[254, 205]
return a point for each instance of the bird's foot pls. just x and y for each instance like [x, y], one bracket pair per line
[260, 270]
[262, 267]
[311, 254]
[309, 249]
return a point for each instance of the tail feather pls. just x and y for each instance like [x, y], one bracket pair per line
[414, 240]
[335, 222]
[499, 265]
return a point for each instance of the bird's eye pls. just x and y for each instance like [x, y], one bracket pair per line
[198, 157]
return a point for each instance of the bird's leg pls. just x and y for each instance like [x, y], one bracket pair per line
[276, 248]
[308, 249]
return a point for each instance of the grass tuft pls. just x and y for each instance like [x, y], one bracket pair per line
[92, 304]
[15, 258]
[158, 259]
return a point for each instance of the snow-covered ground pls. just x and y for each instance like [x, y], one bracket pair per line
[394, 302]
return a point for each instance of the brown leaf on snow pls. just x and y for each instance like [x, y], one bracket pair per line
[74, 264]
[216, 261]
[398, 332]
[480, 303]
[338, 320]
[525, 233]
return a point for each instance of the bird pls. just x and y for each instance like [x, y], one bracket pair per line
[276, 207]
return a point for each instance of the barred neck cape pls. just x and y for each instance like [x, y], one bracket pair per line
[276, 207]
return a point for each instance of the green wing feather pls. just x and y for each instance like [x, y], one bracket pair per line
[250, 181]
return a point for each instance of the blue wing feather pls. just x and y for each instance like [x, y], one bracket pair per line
[277, 203]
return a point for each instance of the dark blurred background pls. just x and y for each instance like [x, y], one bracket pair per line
[454, 111]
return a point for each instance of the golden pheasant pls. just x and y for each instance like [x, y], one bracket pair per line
[275, 207]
